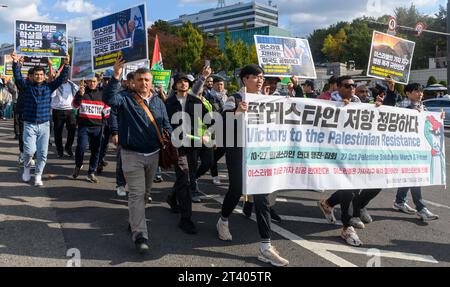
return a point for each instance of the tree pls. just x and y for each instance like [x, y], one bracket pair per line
[431, 81]
[334, 47]
[191, 50]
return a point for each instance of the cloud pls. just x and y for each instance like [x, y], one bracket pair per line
[18, 10]
[75, 6]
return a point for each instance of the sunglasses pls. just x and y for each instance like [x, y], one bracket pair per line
[349, 86]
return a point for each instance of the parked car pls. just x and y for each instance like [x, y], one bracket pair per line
[438, 105]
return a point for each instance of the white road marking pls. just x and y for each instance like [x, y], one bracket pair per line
[436, 204]
[323, 249]
[309, 220]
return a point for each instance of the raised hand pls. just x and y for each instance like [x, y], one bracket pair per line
[207, 71]
[66, 60]
[118, 67]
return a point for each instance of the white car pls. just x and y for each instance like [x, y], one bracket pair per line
[438, 105]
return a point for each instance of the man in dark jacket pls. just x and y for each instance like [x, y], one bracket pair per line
[139, 142]
[185, 104]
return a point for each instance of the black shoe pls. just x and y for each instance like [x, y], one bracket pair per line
[99, 169]
[158, 179]
[60, 155]
[141, 244]
[76, 172]
[69, 152]
[274, 216]
[173, 204]
[247, 209]
[187, 226]
[104, 163]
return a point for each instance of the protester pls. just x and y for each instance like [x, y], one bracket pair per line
[332, 88]
[362, 92]
[185, 103]
[413, 100]
[92, 113]
[308, 89]
[36, 115]
[139, 142]
[63, 114]
[252, 77]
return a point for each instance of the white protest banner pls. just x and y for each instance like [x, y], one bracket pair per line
[40, 39]
[295, 143]
[124, 32]
[285, 57]
[81, 61]
[390, 56]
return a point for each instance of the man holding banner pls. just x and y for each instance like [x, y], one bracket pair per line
[253, 78]
[36, 115]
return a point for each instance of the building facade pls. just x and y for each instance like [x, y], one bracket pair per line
[246, 35]
[234, 17]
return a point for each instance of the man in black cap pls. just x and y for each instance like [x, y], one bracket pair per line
[180, 200]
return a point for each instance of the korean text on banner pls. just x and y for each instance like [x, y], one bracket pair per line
[300, 143]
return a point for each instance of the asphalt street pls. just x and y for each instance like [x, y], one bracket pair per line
[42, 226]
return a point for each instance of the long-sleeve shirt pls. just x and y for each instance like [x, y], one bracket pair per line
[91, 108]
[63, 96]
[37, 97]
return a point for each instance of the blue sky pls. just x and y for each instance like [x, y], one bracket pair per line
[299, 16]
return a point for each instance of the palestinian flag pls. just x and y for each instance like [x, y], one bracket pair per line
[157, 62]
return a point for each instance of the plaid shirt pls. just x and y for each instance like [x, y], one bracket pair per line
[37, 98]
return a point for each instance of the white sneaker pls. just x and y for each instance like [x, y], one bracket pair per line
[350, 236]
[216, 180]
[403, 207]
[26, 177]
[121, 191]
[33, 164]
[426, 215]
[272, 256]
[223, 230]
[357, 223]
[38, 180]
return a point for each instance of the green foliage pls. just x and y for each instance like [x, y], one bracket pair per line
[191, 50]
[431, 81]
[444, 83]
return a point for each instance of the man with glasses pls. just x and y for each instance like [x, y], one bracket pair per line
[346, 94]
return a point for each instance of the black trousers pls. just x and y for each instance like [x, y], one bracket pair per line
[61, 118]
[181, 191]
[218, 154]
[262, 209]
[195, 171]
[18, 126]
[105, 141]
[358, 198]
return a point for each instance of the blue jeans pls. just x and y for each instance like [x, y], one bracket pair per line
[35, 140]
[416, 193]
[93, 136]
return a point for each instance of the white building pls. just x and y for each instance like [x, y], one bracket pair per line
[234, 17]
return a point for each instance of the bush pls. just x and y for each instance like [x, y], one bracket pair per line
[431, 81]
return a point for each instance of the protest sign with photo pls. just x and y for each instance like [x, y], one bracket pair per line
[81, 60]
[308, 144]
[285, 57]
[40, 39]
[123, 33]
[161, 77]
[390, 56]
